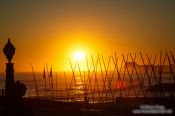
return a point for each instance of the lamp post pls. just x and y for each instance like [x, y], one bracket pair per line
[9, 51]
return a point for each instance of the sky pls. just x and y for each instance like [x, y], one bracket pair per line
[52, 30]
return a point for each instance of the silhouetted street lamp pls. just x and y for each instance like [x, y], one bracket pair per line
[9, 51]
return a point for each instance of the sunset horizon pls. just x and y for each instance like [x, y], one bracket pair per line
[87, 57]
[52, 32]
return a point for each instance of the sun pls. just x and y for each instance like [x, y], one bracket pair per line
[79, 55]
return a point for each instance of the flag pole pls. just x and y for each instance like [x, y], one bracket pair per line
[51, 76]
[48, 75]
[44, 77]
[34, 80]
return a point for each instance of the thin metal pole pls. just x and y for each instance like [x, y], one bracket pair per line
[130, 77]
[124, 73]
[146, 70]
[133, 60]
[65, 81]
[70, 87]
[81, 77]
[35, 81]
[73, 71]
[104, 82]
[163, 65]
[106, 76]
[89, 87]
[119, 76]
[44, 76]
[155, 81]
[48, 76]
[56, 83]
[171, 68]
[174, 63]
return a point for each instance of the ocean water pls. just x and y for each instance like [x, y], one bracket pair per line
[28, 79]
[99, 86]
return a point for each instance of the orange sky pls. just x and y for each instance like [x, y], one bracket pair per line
[51, 31]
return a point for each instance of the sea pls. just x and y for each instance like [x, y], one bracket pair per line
[83, 86]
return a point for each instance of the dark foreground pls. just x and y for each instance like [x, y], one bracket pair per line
[123, 106]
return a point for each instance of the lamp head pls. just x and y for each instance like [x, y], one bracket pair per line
[9, 50]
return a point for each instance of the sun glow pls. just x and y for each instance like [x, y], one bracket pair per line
[79, 55]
